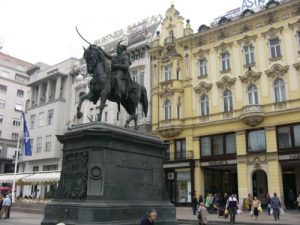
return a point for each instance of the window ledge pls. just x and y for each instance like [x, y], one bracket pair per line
[225, 71]
[246, 66]
[202, 76]
[273, 59]
[280, 105]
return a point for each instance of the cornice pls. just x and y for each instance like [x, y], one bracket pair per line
[272, 32]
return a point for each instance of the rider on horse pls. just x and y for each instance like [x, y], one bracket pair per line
[120, 69]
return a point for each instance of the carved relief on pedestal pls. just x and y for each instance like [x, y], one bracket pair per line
[74, 174]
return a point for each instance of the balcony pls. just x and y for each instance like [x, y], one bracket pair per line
[170, 128]
[170, 42]
[173, 156]
[252, 115]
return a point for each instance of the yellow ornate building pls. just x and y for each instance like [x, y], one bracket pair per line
[227, 99]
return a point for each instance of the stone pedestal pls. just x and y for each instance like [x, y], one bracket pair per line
[110, 176]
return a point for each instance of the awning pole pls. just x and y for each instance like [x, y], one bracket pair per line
[13, 196]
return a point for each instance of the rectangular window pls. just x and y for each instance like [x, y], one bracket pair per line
[203, 67]
[35, 168]
[168, 72]
[31, 144]
[14, 136]
[180, 151]
[1, 118]
[217, 144]
[39, 141]
[178, 111]
[230, 143]
[288, 137]
[48, 143]
[50, 167]
[20, 93]
[3, 89]
[256, 141]
[135, 76]
[275, 48]
[2, 104]
[32, 121]
[41, 119]
[50, 117]
[249, 55]
[4, 74]
[16, 122]
[205, 146]
[225, 58]
[142, 77]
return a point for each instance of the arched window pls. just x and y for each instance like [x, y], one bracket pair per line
[204, 103]
[167, 107]
[252, 95]
[279, 89]
[228, 107]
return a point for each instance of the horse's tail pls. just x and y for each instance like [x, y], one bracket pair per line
[144, 100]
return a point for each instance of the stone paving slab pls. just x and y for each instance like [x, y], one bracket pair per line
[291, 217]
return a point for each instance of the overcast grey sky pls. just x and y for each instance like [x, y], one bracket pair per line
[44, 30]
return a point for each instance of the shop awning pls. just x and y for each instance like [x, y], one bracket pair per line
[9, 178]
[42, 177]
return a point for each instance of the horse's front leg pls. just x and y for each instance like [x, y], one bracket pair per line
[82, 97]
[103, 99]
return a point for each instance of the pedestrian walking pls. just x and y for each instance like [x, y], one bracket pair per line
[298, 201]
[275, 205]
[194, 204]
[291, 199]
[202, 214]
[256, 206]
[208, 202]
[268, 200]
[232, 206]
[149, 218]
[5, 206]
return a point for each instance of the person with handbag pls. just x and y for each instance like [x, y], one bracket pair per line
[232, 206]
[256, 206]
[202, 214]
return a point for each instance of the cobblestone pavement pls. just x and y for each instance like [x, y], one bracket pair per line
[184, 215]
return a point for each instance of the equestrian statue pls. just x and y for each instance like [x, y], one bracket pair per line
[114, 83]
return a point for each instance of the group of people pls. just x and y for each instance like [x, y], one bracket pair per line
[5, 204]
[228, 206]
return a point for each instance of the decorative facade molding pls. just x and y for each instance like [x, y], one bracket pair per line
[166, 93]
[295, 25]
[225, 82]
[201, 53]
[250, 77]
[272, 32]
[297, 66]
[203, 88]
[247, 39]
[223, 46]
[277, 71]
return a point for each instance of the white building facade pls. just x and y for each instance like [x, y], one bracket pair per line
[13, 91]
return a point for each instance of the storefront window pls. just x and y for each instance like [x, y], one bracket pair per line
[284, 137]
[183, 187]
[256, 141]
[180, 149]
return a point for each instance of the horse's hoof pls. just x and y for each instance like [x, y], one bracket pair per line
[79, 115]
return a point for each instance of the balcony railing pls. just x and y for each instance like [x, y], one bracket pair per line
[252, 108]
[170, 40]
[252, 115]
[184, 155]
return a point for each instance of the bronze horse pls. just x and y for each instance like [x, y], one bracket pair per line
[102, 86]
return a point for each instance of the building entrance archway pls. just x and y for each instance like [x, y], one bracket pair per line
[260, 185]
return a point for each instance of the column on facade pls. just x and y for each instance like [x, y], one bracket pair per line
[242, 167]
[58, 87]
[40, 93]
[199, 180]
[271, 139]
[48, 93]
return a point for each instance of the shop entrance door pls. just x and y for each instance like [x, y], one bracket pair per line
[289, 188]
[260, 185]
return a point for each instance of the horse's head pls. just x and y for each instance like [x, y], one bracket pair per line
[92, 57]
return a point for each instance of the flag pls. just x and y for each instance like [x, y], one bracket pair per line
[27, 144]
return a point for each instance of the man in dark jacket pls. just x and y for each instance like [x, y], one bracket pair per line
[275, 205]
[150, 218]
